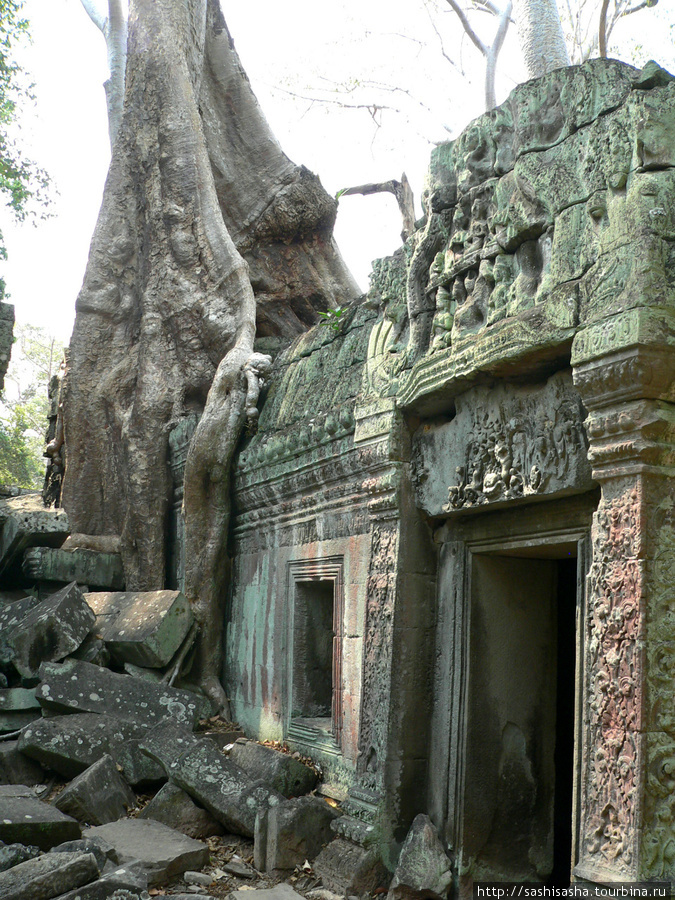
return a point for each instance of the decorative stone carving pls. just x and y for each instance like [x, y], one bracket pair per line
[505, 443]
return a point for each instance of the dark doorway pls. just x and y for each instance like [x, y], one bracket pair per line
[520, 722]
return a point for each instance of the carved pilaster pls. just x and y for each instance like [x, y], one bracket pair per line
[628, 753]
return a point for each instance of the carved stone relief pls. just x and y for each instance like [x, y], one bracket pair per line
[505, 443]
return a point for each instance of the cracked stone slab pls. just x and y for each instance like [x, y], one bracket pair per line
[27, 523]
[164, 852]
[27, 820]
[70, 744]
[48, 876]
[51, 631]
[128, 877]
[78, 686]
[143, 628]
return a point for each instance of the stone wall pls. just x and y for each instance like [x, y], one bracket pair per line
[504, 390]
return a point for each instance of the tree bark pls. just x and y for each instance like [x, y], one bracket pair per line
[198, 195]
[540, 35]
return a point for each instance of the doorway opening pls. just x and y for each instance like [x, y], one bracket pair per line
[520, 715]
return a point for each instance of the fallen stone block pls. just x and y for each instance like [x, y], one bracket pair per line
[143, 628]
[97, 796]
[27, 523]
[27, 820]
[423, 863]
[16, 767]
[347, 868]
[78, 686]
[18, 707]
[13, 854]
[281, 771]
[163, 852]
[70, 744]
[175, 808]
[51, 630]
[48, 876]
[224, 789]
[292, 832]
[86, 567]
[281, 891]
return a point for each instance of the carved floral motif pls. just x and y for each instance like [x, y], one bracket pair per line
[614, 628]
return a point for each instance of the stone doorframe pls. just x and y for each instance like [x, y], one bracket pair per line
[552, 524]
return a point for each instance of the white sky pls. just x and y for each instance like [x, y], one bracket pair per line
[296, 45]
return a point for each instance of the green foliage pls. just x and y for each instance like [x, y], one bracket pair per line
[23, 184]
[333, 317]
[36, 356]
[21, 460]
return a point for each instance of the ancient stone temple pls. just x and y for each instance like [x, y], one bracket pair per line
[454, 531]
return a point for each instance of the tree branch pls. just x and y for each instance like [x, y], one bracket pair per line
[466, 25]
[96, 14]
[491, 57]
[602, 30]
[401, 191]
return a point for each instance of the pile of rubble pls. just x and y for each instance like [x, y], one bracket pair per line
[86, 696]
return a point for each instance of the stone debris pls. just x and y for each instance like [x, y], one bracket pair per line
[175, 808]
[106, 731]
[48, 876]
[76, 686]
[222, 787]
[163, 852]
[97, 796]
[101, 570]
[142, 628]
[27, 820]
[280, 771]
[348, 868]
[423, 863]
[50, 631]
[291, 832]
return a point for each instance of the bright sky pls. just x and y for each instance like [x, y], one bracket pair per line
[297, 46]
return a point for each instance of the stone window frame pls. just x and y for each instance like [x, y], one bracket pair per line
[302, 571]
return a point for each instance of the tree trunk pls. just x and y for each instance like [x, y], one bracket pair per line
[198, 194]
[540, 35]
